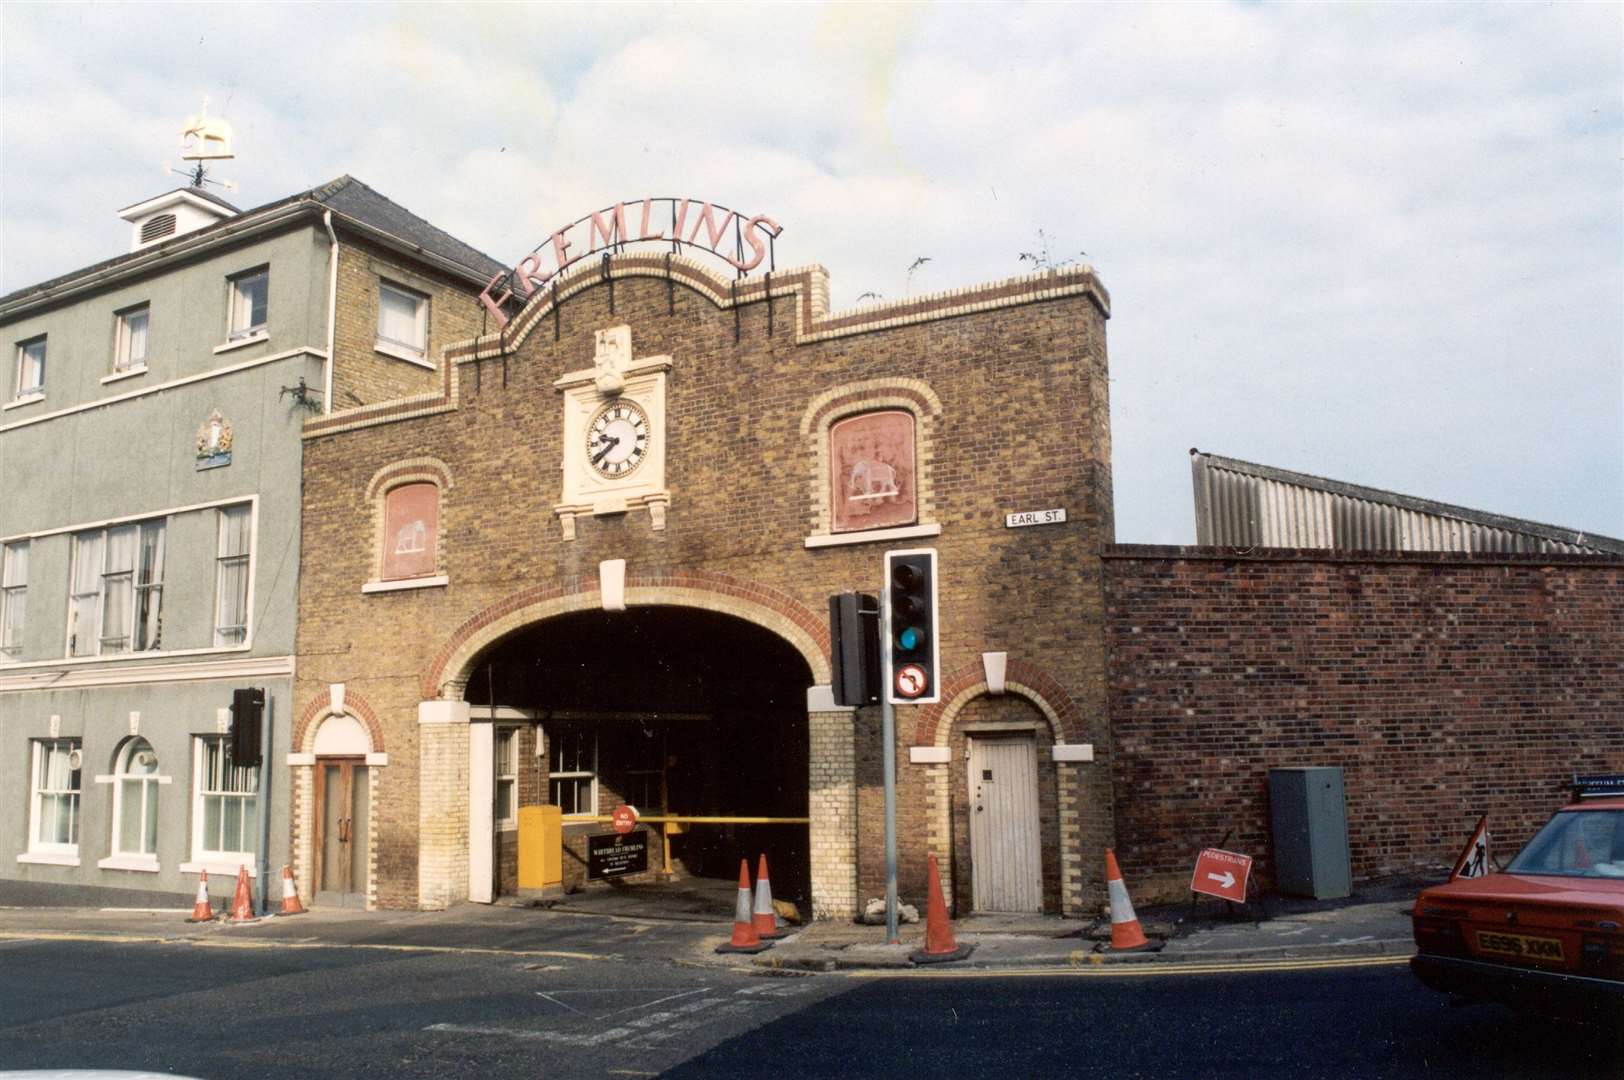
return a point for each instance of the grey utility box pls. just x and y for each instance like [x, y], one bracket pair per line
[1310, 816]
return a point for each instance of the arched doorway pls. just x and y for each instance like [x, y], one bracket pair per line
[680, 711]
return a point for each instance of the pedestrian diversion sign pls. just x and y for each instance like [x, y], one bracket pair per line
[1222, 874]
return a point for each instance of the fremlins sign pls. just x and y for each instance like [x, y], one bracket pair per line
[743, 243]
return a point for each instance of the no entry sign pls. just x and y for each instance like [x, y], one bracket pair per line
[623, 819]
[1222, 874]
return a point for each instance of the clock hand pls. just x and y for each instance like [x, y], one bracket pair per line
[610, 442]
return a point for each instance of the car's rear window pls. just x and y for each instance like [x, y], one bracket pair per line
[1576, 843]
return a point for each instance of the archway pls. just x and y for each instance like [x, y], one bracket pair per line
[683, 712]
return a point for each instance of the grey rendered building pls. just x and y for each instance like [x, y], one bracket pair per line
[150, 449]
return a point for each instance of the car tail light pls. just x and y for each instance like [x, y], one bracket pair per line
[1602, 954]
[1436, 935]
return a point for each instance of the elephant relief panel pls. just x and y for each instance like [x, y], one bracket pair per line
[871, 466]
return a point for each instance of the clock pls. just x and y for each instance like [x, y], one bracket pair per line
[617, 438]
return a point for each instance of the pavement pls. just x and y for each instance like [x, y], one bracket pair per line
[685, 929]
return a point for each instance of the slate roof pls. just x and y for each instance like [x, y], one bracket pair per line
[202, 193]
[345, 196]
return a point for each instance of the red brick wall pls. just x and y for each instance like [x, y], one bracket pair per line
[1444, 686]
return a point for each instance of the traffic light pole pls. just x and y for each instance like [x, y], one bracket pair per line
[888, 737]
[263, 862]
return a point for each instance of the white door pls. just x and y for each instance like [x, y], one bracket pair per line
[1006, 866]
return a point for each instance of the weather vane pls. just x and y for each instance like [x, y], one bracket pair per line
[204, 139]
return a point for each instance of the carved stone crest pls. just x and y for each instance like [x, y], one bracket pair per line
[611, 359]
[214, 442]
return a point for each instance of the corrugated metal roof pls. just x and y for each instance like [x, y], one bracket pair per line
[1242, 504]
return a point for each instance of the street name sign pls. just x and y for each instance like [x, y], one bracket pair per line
[1035, 517]
[1222, 874]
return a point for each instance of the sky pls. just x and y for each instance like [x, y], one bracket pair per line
[1379, 243]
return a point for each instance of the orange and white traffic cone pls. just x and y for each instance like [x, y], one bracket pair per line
[242, 904]
[745, 938]
[940, 945]
[766, 923]
[290, 895]
[202, 911]
[1126, 934]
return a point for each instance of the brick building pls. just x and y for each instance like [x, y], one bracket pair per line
[591, 566]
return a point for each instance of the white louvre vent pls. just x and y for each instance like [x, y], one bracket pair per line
[157, 228]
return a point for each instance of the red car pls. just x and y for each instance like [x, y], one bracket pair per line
[1547, 933]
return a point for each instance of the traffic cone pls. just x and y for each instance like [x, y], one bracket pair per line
[1126, 934]
[242, 904]
[290, 895]
[202, 911]
[766, 923]
[745, 937]
[940, 946]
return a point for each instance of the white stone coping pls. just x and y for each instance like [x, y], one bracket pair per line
[146, 864]
[406, 583]
[873, 536]
[48, 858]
[26, 399]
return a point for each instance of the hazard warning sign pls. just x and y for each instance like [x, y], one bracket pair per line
[1222, 874]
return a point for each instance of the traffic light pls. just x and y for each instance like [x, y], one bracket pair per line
[911, 587]
[247, 710]
[854, 638]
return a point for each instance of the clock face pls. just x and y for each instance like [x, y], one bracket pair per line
[617, 438]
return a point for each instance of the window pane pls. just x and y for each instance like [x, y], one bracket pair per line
[249, 303]
[504, 800]
[398, 317]
[86, 597]
[13, 597]
[231, 828]
[149, 839]
[129, 815]
[250, 818]
[136, 323]
[31, 368]
[211, 823]
[14, 565]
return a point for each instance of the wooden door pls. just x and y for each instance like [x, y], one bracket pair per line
[341, 832]
[1006, 868]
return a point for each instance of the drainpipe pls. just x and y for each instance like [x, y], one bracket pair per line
[332, 312]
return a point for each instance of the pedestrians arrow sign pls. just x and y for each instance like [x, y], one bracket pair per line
[1222, 874]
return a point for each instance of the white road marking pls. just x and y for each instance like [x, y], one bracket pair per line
[659, 1001]
[555, 1001]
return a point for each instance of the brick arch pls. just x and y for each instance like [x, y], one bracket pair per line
[321, 707]
[1023, 679]
[408, 470]
[763, 605]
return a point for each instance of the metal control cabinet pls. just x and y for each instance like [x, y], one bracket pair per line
[1310, 817]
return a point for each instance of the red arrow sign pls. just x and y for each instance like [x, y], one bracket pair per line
[1222, 874]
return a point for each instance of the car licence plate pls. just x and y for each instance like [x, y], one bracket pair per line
[1519, 945]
